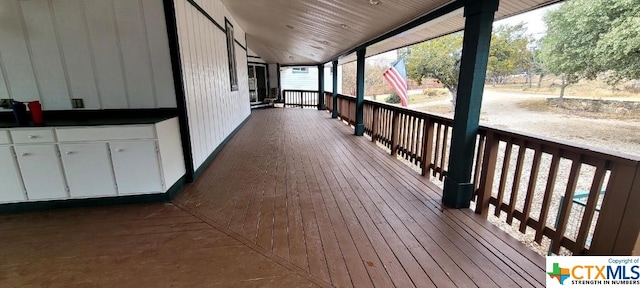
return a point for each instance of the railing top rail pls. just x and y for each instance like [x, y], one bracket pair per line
[562, 144]
[297, 90]
[531, 138]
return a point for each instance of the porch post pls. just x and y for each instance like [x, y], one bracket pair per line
[279, 83]
[359, 121]
[321, 105]
[334, 112]
[479, 16]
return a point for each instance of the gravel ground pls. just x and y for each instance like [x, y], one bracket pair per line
[502, 110]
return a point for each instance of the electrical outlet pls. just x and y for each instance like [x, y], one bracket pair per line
[5, 103]
[77, 103]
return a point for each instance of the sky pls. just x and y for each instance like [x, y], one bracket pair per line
[533, 20]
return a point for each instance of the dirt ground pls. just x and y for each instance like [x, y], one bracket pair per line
[506, 110]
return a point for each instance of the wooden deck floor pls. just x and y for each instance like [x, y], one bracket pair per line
[148, 245]
[301, 188]
[293, 200]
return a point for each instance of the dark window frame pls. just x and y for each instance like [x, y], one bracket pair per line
[300, 70]
[231, 53]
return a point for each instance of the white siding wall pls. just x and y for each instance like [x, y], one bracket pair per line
[214, 110]
[273, 76]
[309, 81]
[253, 57]
[114, 54]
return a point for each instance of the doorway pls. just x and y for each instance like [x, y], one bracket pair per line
[258, 90]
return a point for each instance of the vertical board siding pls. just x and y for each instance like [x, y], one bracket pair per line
[114, 54]
[135, 53]
[159, 52]
[106, 47]
[76, 50]
[19, 77]
[45, 54]
[214, 110]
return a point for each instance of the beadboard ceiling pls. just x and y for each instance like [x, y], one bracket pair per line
[316, 31]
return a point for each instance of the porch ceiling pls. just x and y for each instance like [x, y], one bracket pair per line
[316, 31]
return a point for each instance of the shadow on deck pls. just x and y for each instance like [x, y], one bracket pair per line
[292, 200]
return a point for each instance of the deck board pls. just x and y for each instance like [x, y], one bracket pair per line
[293, 200]
[147, 245]
[342, 209]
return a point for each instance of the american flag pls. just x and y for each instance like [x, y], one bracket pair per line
[396, 76]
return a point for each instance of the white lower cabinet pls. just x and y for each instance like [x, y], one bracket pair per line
[12, 190]
[41, 172]
[88, 170]
[80, 162]
[136, 167]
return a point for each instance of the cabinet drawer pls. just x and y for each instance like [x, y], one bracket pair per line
[29, 136]
[105, 133]
[4, 137]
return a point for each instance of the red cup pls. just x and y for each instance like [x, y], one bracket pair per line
[36, 112]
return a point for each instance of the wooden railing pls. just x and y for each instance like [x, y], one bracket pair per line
[522, 177]
[300, 98]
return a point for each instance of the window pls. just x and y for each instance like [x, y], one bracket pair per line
[231, 52]
[300, 70]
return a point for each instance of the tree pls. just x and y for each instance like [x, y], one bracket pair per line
[509, 53]
[588, 37]
[439, 59]
[374, 83]
[537, 65]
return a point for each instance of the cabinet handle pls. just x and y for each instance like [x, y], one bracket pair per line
[25, 154]
[69, 152]
[119, 149]
[33, 136]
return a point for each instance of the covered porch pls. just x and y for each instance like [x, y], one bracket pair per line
[296, 200]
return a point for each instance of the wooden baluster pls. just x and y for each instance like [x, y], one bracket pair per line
[445, 149]
[503, 176]
[516, 181]
[548, 193]
[531, 189]
[395, 123]
[617, 230]
[488, 172]
[402, 142]
[406, 146]
[482, 139]
[387, 128]
[565, 209]
[427, 146]
[374, 124]
[590, 208]
[436, 168]
[415, 135]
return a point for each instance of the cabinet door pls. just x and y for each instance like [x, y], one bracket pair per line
[12, 190]
[135, 165]
[41, 172]
[88, 170]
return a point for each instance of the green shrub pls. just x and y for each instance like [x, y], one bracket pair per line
[393, 99]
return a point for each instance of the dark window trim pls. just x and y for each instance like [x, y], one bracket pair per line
[231, 53]
[300, 70]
